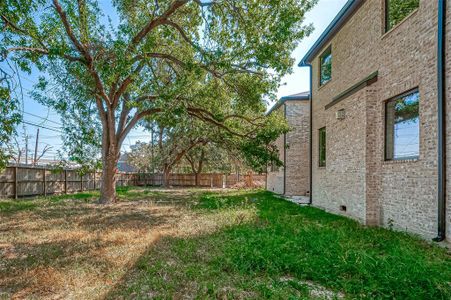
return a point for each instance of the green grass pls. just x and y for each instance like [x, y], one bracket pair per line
[9, 206]
[285, 252]
[24, 204]
[201, 244]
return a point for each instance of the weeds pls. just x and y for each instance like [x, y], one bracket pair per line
[205, 244]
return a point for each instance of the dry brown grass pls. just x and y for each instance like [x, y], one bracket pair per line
[75, 249]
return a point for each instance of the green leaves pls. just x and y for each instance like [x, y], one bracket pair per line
[207, 66]
[8, 120]
[398, 10]
[261, 151]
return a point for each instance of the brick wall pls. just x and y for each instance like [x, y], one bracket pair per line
[377, 192]
[297, 152]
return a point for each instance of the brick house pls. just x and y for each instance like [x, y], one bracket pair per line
[379, 82]
[293, 178]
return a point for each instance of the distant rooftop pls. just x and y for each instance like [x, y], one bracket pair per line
[298, 96]
[294, 97]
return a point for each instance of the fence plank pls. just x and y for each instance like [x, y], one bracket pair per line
[65, 181]
[16, 188]
[20, 181]
[44, 185]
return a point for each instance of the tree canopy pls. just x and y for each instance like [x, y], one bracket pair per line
[216, 61]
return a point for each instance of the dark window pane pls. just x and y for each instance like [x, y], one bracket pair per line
[397, 10]
[403, 127]
[322, 147]
[325, 66]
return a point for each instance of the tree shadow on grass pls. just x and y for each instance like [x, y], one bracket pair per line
[57, 250]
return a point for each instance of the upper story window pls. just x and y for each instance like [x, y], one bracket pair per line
[402, 127]
[398, 10]
[325, 66]
[322, 147]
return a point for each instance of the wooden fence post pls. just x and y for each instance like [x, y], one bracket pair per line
[16, 187]
[65, 181]
[81, 183]
[45, 182]
[94, 178]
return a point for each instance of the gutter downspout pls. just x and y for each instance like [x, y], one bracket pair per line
[441, 107]
[284, 152]
[305, 64]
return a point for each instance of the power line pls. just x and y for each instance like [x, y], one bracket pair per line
[46, 119]
[41, 126]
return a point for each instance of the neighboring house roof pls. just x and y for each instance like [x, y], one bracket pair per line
[294, 97]
[340, 19]
[123, 165]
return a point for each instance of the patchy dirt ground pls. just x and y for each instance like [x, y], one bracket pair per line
[72, 248]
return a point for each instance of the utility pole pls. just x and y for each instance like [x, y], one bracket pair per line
[26, 149]
[36, 148]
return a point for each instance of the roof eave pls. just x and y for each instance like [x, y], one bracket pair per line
[340, 19]
[285, 99]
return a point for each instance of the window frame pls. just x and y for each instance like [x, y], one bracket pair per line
[387, 15]
[395, 98]
[322, 164]
[327, 50]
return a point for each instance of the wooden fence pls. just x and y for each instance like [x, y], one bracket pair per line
[20, 181]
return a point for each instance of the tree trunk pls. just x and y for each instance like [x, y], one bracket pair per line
[166, 176]
[109, 170]
[197, 176]
[199, 167]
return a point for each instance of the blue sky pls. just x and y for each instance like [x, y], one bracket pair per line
[320, 16]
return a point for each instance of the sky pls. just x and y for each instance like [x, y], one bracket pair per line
[35, 115]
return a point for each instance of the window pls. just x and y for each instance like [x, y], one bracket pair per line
[402, 127]
[322, 147]
[325, 68]
[398, 10]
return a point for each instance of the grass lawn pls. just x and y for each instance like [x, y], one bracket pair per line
[207, 244]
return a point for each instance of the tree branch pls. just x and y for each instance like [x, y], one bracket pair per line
[138, 116]
[127, 81]
[232, 116]
[175, 60]
[124, 114]
[12, 25]
[201, 116]
[44, 52]
[69, 31]
[155, 22]
[183, 34]
[83, 51]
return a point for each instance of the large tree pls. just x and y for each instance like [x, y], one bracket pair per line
[149, 61]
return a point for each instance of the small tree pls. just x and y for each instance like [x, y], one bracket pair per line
[211, 157]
